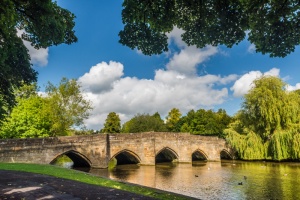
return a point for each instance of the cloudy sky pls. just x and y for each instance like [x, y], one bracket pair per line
[117, 79]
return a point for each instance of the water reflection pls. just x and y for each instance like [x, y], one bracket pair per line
[63, 161]
[215, 180]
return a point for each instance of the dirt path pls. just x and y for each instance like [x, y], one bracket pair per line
[26, 186]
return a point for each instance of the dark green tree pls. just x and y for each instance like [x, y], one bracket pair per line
[205, 122]
[273, 26]
[112, 123]
[44, 23]
[144, 123]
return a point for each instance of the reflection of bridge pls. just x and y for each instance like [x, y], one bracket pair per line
[97, 150]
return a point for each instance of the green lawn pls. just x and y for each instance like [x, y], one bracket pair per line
[87, 178]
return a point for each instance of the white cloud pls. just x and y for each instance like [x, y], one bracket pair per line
[175, 36]
[251, 49]
[189, 57]
[245, 82]
[101, 77]
[292, 88]
[273, 72]
[38, 57]
[128, 96]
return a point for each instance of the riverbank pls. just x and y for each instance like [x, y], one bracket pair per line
[32, 181]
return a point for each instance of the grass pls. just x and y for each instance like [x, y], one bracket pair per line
[89, 179]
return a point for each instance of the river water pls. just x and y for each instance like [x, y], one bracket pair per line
[215, 180]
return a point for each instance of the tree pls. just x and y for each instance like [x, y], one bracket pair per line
[56, 114]
[172, 119]
[223, 120]
[144, 123]
[205, 122]
[268, 125]
[29, 117]
[67, 106]
[44, 23]
[269, 107]
[112, 124]
[273, 26]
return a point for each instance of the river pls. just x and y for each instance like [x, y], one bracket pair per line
[215, 180]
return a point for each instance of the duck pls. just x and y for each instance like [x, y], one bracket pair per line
[240, 183]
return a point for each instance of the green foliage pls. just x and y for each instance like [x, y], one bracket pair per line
[3, 109]
[269, 107]
[56, 114]
[112, 124]
[112, 163]
[172, 119]
[66, 106]
[61, 160]
[254, 147]
[45, 24]
[248, 147]
[28, 119]
[205, 122]
[144, 123]
[268, 125]
[280, 145]
[236, 141]
[272, 25]
[296, 146]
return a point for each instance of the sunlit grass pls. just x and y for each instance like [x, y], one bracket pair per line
[88, 178]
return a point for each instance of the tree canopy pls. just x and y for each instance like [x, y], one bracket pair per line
[112, 123]
[67, 105]
[172, 119]
[29, 118]
[144, 123]
[268, 125]
[55, 114]
[272, 26]
[205, 122]
[44, 24]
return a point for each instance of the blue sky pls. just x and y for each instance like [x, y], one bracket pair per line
[117, 79]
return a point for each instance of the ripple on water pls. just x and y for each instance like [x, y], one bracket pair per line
[216, 180]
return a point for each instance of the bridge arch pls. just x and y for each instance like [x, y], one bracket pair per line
[126, 157]
[166, 154]
[79, 160]
[199, 155]
[225, 154]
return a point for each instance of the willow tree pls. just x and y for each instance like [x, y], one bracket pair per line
[269, 118]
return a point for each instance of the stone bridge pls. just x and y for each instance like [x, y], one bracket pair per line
[97, 150]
